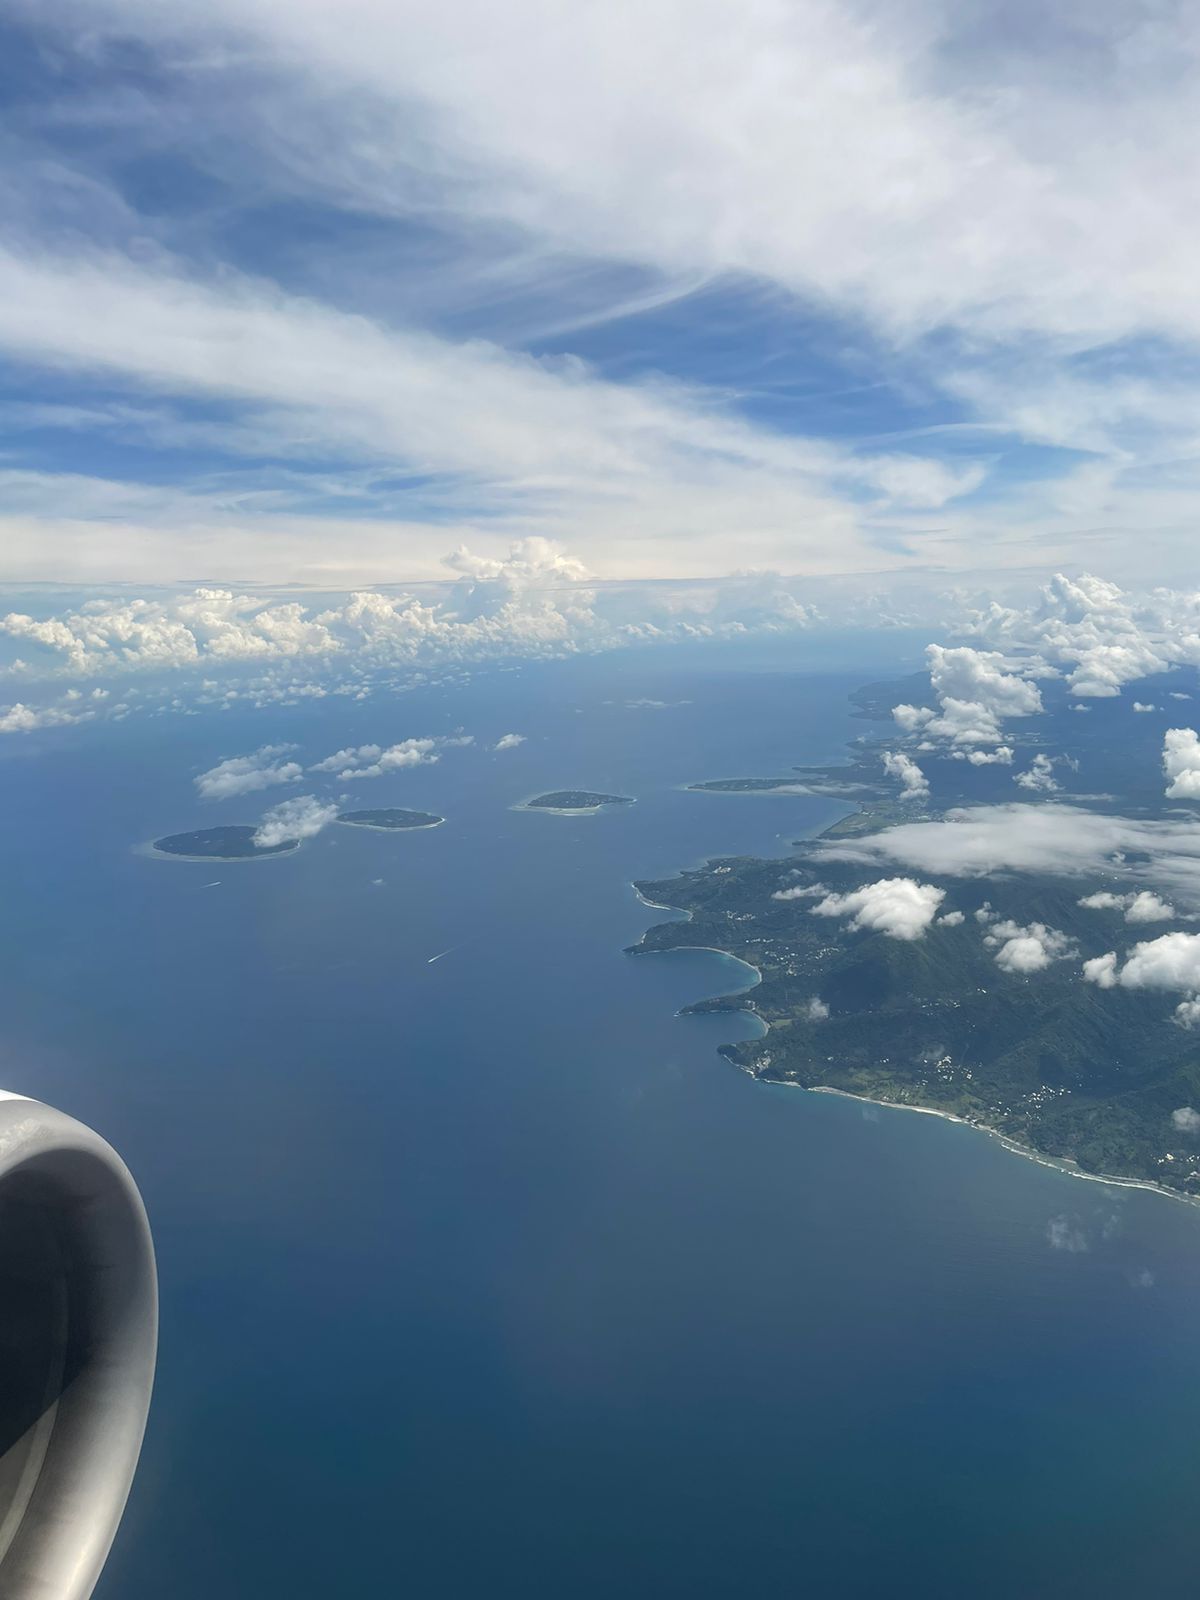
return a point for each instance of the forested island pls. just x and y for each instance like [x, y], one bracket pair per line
[231, 843]
[391, 818]
[961, 1018]
[570, 800]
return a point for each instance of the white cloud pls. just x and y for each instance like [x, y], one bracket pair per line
[244, 774]
[209, 625]
[1102, 970]
[1186, 1119]
[1065, 241]
[816, 1010]
[21, 718]
[1002, 756]
[910, 719]
[1139, 705]
[297, 819]
[509, 741]
[952, 919]
[636, 473]
[914, 784]
[1027, 949]
[975, 693]
[898, 907]
[373, 760]
[1143, 906]
[1181, 763]
[979, 678]
[1039, 775]
[1047, 837]
[799, 892]
[535, 600]
[830, 152]
[1172, 961]
[1099, 636]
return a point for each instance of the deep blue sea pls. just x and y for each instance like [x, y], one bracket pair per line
[487, 1276]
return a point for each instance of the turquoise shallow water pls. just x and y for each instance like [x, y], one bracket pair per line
[488, 1276]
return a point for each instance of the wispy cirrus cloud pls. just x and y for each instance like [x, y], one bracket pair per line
[312, 271]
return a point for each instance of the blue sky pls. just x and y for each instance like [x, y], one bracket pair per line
[315, 294]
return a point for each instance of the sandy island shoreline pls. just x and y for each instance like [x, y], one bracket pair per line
[150, 848]
[574, 811]
[386, 827]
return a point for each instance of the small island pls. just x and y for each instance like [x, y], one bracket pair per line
[231, 843]
[391, 818]
[570, 802]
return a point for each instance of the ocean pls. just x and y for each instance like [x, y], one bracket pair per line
[486, 1275]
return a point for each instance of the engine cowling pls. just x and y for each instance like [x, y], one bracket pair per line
[78, 1338]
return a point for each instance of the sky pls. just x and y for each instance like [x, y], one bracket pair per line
[317, 295]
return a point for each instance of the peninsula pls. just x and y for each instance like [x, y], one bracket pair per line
[950, 1018]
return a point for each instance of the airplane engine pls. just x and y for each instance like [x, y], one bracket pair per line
[78, 1336]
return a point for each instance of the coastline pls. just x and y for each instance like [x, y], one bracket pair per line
[1067, 1167]
[383, 827]
[710, 949]
[150, 849]
[1057, 1163]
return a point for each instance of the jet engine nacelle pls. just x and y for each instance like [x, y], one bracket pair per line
[78, 1334]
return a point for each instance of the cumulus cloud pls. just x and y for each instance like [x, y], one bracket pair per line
[509, 741]
[1181, 763]
[1172, 961]
[1142, 906]
[1146, 906]
[1102, 970]
[245, 774]
[21, 718]
[529, 602]
[297, 819]
[1001, 756]
[1039, 775]
[534, 601]
[974, 692]
[913, 783]
[902, 908]
[817, 1011]
[1027, 949]
[1050, 838]
[952, 919]
[1186, 1119]
[1098, 635]
[373, 760]
[1140, 705]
